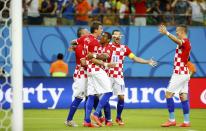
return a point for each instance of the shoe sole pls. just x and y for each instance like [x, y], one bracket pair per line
[95, 119]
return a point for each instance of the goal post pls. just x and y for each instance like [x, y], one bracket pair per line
[17, 65]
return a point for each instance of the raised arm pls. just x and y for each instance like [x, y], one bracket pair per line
[142, 61]
[103, 56]
[163, 30]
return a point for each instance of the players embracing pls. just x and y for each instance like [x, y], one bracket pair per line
[104, 63]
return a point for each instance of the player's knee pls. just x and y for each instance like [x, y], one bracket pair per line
[168, 94]
[183, 96]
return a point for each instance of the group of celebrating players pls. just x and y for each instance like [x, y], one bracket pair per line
[99, 75]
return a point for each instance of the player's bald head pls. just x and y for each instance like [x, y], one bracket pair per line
[82, 31]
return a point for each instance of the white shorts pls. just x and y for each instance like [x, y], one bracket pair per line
[178, 84]
[118, 86]
[98, 83]
[79, 87]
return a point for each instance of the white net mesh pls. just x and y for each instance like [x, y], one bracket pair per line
[5, 66]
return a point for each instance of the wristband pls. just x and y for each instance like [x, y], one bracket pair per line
[168, 33]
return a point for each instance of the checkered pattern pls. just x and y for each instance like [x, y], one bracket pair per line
[80, 72]
[118, 55]
[105, 49]
[181, 58]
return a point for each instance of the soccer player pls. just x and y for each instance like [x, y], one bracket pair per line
[80, 79]
[98, 81]
[180, 77]
[104, 53]
[119, 51]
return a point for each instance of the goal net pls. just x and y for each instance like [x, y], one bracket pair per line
[11, 107]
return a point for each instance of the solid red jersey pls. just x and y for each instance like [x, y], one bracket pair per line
[181, 57]
[79, 53]
[79, 70]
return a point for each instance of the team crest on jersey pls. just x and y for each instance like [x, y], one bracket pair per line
[122, 49]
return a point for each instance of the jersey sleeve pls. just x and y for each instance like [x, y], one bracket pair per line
[128, 51]
[186, 43]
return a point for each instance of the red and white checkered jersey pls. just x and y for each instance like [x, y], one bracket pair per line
[181, 57]
[91, 45]
[119, 52]
[105, 49]
[79, 70]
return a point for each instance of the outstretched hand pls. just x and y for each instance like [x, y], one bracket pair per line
[163, 29]
[152, 63]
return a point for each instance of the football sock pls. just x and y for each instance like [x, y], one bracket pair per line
[102, 102]
[85, 102]
[107, 111]
[185, 107]
[73, 108]
[89, 106]
[171, 108]
[96, 101]
[120, 107]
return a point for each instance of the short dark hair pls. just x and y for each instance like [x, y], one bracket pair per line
[115, 31]
[79, 32]
[95, 26]
[109, 36]
[183, 26]
[60, 56]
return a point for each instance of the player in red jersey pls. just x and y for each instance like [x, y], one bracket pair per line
[104, 54]
[180, 78]
[80, 79]
[98, 81]
[119, 51]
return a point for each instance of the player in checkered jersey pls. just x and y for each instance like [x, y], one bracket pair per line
[80, 78]
[98, 81]
[119, 51]
[180, 78]
[104, 53]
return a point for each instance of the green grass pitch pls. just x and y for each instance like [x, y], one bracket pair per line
[135, 120]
